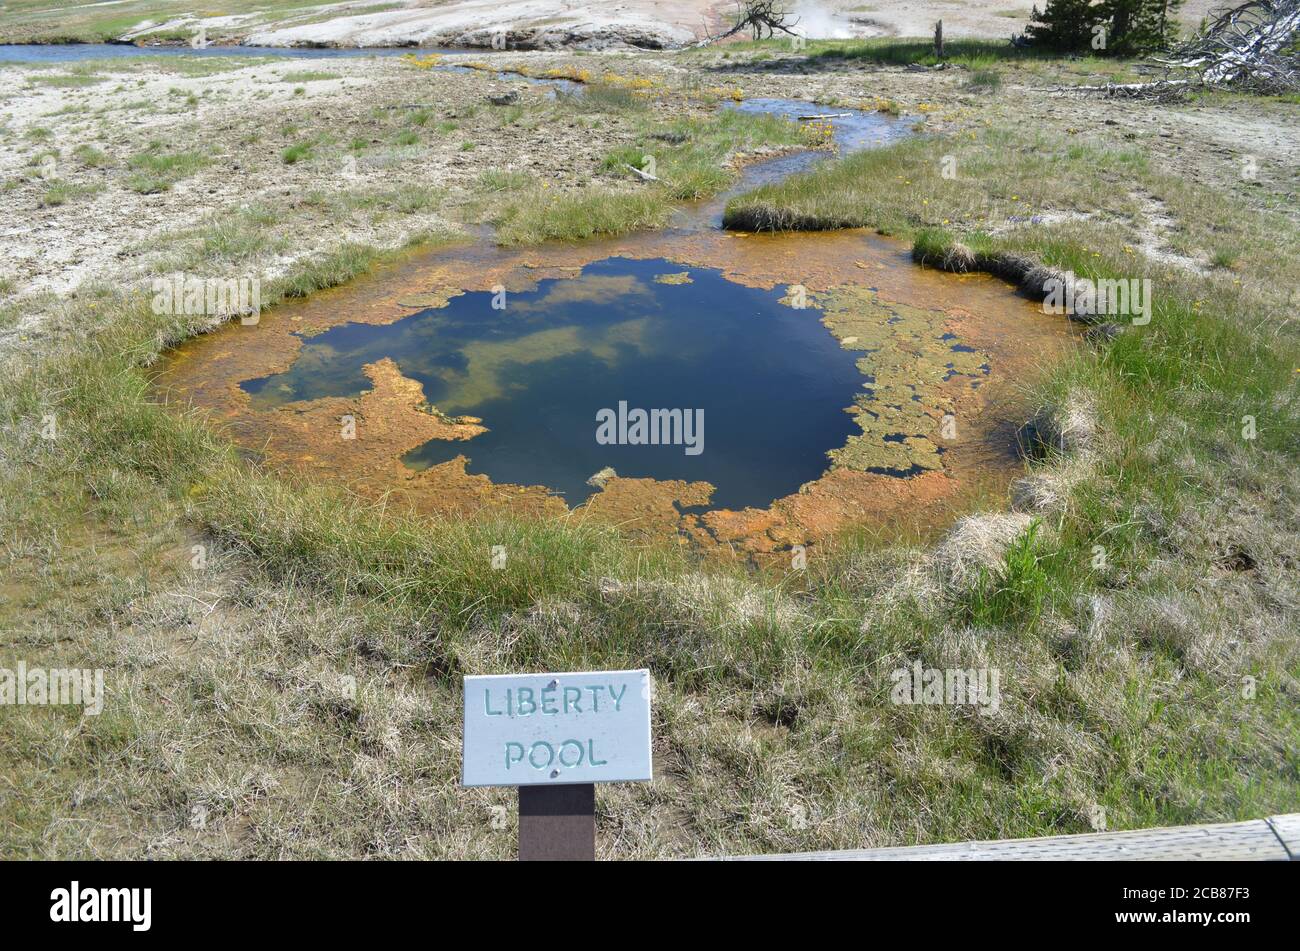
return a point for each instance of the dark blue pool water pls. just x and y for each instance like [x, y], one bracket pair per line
[771, 382]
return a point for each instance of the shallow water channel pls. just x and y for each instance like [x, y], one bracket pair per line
[803, 382]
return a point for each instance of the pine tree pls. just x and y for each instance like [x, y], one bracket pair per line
[1138, 26]
[1126, 27]
[1065, 25]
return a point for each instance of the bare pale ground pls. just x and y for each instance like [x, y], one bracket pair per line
[525, 23]
[533, 23]
[541, 23]
[961, 18]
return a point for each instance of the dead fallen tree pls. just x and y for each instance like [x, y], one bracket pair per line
[1251, 47]
[763, 18]
[1160, 90]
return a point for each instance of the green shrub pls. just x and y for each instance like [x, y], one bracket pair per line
[1018, 591]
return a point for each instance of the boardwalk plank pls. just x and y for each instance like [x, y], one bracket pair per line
[1287, 829]
[1255, 840]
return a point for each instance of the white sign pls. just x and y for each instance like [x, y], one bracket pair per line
[534, 729]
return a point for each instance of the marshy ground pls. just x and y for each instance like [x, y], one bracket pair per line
[283, 655]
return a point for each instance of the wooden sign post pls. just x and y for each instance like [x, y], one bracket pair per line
[555, 736]
[557, 823]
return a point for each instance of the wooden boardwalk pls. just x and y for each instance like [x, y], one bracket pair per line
[1273, 839]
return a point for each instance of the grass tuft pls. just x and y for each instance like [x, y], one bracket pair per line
[156, 170]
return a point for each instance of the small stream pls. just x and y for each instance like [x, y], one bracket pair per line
[853, 129]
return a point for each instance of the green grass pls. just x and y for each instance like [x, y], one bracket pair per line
[404, 199]
[1017, 592]
[690, 157]
[65, 81]
[890, 51]
[601, 97]
[983, 190]
[298, 152]
[331, 270]
[589, 213]
[308, 76]
[987, 80]
[227, 240]
[306, 148]
[60, 193]
[501, 180]
[155, 170]
[90, 156]
[190, 67]
[625, 155]
[1224, 257]
[972, 54]
[409, 199]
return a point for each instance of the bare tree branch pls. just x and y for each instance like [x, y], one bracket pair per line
[1251, 47]
[764, 18]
